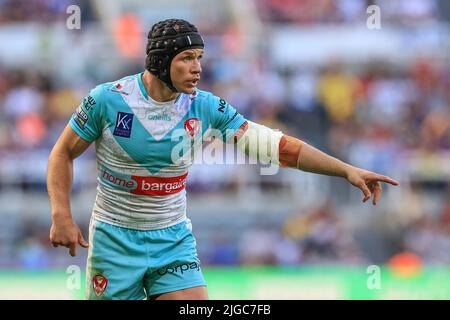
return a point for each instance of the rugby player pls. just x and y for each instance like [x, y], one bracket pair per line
[140, 241]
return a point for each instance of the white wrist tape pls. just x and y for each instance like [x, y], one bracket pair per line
[261, 143]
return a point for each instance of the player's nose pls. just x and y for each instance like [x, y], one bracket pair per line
[197, 67]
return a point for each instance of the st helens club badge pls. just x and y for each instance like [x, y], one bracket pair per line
[99, 283]
[192, 127]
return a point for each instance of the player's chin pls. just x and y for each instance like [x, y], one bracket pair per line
[187, 87]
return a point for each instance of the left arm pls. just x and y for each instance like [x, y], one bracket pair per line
[295, 153]
[298, 154]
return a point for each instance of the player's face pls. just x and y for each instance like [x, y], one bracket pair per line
[185, 70]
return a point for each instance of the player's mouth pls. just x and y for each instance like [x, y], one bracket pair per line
[193, 82]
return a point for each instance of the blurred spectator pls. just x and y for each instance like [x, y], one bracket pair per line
[337, 92]
[321, 238]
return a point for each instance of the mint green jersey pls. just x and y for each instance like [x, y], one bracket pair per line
[141, 145]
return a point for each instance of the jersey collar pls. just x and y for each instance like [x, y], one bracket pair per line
[148, 98]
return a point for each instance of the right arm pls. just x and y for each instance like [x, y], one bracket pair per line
[64, 231]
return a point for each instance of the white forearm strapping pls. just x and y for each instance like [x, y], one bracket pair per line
[260, 142]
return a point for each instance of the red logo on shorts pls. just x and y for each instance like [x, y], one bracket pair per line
[192, 127]
[99, 283]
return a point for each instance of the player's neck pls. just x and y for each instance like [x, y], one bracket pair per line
[156, 89]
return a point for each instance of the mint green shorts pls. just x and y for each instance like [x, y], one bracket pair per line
[133, 264]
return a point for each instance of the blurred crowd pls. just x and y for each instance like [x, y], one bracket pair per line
[308, 12]
[373, 115]
[40, 11]
[368, 115]
[318, 236]
[301, 12]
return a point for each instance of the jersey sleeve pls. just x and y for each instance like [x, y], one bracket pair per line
[87, 120]
[225, 117]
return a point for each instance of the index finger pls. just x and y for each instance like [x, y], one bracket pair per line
[387, 179]
[73, 249]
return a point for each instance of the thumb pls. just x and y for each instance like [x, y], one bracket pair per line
[81, 240]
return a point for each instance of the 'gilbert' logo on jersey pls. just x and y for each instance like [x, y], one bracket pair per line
[192, 127]
[124, 122]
